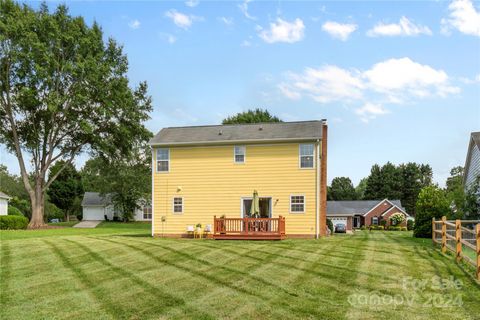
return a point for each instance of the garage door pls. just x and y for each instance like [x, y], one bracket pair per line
[338, 220]
[93, 213]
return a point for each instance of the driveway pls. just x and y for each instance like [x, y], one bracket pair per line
[87, 224]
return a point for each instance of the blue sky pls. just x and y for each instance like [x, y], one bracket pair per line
[397, 81]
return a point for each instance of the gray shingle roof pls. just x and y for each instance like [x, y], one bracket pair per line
[4, 196]
[95, 199]
[278, 131]
[346, 208]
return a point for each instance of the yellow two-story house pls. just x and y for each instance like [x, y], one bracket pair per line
[202, 172]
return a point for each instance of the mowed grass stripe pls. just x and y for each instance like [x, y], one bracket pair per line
[155, 299]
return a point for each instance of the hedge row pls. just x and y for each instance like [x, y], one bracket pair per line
[13, 222]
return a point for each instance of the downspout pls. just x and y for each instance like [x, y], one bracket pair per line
[153, 176]
[323, 180]
[317, 190]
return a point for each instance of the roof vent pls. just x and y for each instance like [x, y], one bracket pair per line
[260, 128]
[220, 132]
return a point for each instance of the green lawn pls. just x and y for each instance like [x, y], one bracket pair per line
[119, 272]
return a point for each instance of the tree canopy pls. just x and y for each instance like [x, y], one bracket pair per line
[432, 203]
[63, 91]
[341, 189]
[251, 116]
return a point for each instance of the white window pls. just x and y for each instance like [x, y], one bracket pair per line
[163, 160]
[375, 221]
[178, 205]
[307, 152]
[147, 213]
[297, 204]
[239, 154]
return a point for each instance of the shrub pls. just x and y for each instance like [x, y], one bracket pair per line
[383, 223]
[363, 228]
[410, 224]
[12, 211]
[394, 228]
[380, 227]
[53, 212]
[432, 203]
[397, 218]
[13, 222]
[330, 225]
[404, 228]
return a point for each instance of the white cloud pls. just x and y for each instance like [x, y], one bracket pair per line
[170, 38]
[370, 111]
[393, 81]
[339, 30]
[283, 31]
[289, 93]
[403, 28]
[182, 20]
[192, 3]
[463, 17]
[325, 84]
[134, 24]
[226, 20]
[246, 43]
[399, 76]
[244, 8]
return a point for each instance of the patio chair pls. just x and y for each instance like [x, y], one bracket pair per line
[207, 230]
[190, 230]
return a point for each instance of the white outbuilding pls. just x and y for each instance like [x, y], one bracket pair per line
[100, 207]
[4, 204]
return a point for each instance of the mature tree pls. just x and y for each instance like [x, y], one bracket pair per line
[251, 116]
[341, 189]
[455, 193]
[360, 188]
[432, 203]
[128, 180]
[64, 91]
[413, 177]
[392, 183]
[64, 191]
[472, 201]
[373, 190]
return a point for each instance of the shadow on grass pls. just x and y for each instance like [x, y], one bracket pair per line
[5, 272]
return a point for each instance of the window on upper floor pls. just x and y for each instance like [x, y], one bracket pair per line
[163, 160]
[307, 152]
[177, 205]
[297, 204]
[239, 154]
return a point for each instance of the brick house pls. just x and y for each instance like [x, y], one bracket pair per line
[355, 214]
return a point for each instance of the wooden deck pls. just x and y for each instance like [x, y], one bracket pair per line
[249, 228]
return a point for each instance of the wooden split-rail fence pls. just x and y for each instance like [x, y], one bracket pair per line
[462, 237]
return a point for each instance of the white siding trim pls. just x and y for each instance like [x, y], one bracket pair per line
[153, 190]
[304, 204]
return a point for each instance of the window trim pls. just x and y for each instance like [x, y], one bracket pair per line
[244, 154]
[157, 160]
[300, 156]
[151, 213]
[173, 205]
[373, 221]
[304, 204]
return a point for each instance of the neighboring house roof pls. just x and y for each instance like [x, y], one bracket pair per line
[95, 199]
[239, 133]
[4, 196]
[362, 207]
[472, 162]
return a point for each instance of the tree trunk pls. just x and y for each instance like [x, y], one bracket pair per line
[38, 206]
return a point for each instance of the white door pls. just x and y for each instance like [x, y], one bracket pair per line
[93, 213]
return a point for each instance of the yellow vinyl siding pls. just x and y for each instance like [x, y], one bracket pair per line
[211, 183]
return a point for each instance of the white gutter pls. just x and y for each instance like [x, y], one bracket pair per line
[317, 192]
[153, 170]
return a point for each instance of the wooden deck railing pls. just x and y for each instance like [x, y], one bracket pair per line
[249, 228]
[459, 236]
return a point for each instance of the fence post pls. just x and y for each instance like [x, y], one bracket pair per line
[478, 251]
[458, 239]
[433, 230]
[444, 235]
